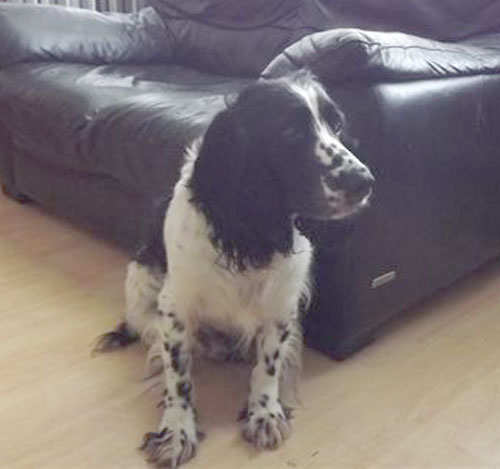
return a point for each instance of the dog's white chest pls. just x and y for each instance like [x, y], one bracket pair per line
[207, 291]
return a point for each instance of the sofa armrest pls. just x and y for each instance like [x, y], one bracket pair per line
[53, 33]
[340, 55]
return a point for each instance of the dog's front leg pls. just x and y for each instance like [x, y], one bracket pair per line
[176, 440]
[266, 419]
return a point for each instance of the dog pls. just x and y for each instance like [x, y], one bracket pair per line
[227, 271]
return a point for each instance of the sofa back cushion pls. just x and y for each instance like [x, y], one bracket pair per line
[240, 37]
[444, 20]
[230, 37]
[53, 33]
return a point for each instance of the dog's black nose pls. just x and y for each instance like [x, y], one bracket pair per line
[358, 183]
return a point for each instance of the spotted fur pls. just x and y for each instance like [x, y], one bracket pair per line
[236, 269]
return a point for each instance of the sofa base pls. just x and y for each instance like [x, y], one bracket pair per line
[14, 194]
[95, 202]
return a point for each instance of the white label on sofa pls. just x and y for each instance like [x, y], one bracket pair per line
[384, 279]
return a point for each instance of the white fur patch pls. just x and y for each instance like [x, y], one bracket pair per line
[201, 287]
[142, 287]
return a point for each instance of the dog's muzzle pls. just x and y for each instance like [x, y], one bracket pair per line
[357, 184]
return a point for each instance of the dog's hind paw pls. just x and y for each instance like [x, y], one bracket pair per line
[266, 428]
[118, 338]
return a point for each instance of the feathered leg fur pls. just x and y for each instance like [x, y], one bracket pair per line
[177, 438]
[266, 418]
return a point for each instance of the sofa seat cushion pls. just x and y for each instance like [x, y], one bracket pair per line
[118, 121]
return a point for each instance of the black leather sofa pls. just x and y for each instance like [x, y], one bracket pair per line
[95, 111]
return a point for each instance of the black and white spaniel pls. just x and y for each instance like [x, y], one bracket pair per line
[230, 271]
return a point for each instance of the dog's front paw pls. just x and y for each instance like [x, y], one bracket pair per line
[173, 445]
[266, 427]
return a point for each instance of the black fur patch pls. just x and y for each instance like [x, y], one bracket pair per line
[154, 438]
[120, 337]
[179, 362]
[282, 326]
[336, 162]
[184, 389]
[183, 438]
[178, 325]
[284, 336]
[267, 360]
[176, 350]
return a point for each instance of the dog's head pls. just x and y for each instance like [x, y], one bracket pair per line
[287, 133]
[274, 153]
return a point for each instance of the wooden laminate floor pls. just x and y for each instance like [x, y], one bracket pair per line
[426, 394]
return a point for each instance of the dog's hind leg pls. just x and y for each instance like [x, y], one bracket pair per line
[142, 286]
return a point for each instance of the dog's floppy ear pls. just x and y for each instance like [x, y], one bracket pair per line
[234, 185]
[221, 154]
